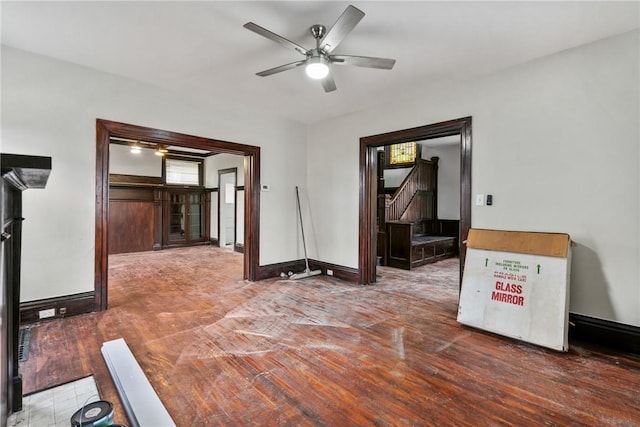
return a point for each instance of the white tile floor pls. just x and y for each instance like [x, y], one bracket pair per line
[54, 407]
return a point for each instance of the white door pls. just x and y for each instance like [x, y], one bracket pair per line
[227, 206]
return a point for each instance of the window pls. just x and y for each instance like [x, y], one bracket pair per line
[401, 155]
[183, 172]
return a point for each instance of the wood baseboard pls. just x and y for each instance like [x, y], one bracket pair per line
[273, 270]
[339, 271]
[297, 266]
[214, 241]
[72, 305]
[604, 333]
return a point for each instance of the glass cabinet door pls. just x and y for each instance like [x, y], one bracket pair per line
[177, 218]
[195, 216]
[186, 222]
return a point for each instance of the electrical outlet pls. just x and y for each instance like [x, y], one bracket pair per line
[329, 272]
[47, 313]
[63, 311]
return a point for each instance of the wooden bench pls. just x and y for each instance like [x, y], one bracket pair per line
[412, 244]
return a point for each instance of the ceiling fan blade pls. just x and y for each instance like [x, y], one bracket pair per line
[273, 36]
[363, 61]
[328, 83]
[281, 68]
[343, 26]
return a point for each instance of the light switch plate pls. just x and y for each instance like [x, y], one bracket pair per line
[480, 200]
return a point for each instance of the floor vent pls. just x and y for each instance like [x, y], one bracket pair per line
[24, 337]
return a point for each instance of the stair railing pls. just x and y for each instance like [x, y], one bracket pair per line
[406, 191]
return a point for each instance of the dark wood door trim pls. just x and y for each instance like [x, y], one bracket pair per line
[368, 183]
[106, 129]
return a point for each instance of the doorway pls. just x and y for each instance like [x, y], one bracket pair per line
[227, 207]
[106, 130]
[368, 186]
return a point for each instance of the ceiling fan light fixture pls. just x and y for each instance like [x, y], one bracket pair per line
[317, 67]
[317, 59]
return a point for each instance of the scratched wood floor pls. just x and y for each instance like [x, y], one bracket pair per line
[222, 351]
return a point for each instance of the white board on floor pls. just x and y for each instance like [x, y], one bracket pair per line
[140, 401]
[517, 284]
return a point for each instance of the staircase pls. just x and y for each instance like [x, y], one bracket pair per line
[416, 198]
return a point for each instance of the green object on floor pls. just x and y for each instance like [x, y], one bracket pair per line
[94, 414]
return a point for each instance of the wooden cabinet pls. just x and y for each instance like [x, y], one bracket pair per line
[145, 214]
[186, 217]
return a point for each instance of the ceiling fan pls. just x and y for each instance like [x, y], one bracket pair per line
[317, 60]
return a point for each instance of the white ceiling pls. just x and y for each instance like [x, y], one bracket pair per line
[201, 48]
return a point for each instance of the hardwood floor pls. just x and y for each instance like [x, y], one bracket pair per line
[319, 351]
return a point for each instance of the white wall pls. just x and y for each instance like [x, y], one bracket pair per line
[50, 108]
[213, 164]
[144, 163]
[556, 141]
[448, 179]
[394, 177]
